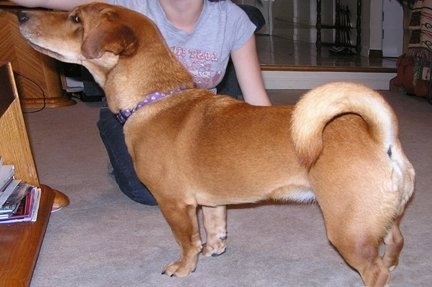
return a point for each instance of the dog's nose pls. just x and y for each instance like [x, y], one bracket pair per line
[22, 16]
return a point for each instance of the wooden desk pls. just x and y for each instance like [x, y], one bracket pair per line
[19, 242]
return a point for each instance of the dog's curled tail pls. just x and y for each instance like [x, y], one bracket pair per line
[320, 105]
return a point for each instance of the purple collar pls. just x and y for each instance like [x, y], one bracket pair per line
[123, 115]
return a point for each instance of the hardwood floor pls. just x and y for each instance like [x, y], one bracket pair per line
[281, 54]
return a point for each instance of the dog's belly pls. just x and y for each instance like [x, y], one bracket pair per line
[237, 179]
[292, 192]
[232, 177]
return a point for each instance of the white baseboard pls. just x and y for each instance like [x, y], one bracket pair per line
[277, 80]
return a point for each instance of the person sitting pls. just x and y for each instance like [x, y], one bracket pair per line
[210, 38]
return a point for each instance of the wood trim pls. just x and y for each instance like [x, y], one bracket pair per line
[329, 68]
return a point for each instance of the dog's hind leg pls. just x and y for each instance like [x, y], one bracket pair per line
[216, 231]
[394, 242]
[183, 221]
[359, 246]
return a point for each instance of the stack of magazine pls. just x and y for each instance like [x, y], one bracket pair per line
[19, 201]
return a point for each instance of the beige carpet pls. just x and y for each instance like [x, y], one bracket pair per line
[105, 239]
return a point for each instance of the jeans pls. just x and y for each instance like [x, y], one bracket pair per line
[111, 133]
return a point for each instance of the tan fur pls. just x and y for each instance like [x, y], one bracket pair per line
[193, 148]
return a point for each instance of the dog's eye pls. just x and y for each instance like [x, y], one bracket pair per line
[75, 19]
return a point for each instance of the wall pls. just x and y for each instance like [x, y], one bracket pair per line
[393, 37]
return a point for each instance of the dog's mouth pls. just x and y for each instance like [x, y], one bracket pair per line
[47, 52]
[49, 48]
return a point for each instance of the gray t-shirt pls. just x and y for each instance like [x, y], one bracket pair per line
[222, 27]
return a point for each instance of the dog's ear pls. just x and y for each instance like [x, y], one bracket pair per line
[109, 35]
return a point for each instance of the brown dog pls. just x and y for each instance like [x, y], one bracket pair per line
[192, 148]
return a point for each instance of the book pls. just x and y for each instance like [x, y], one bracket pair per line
[21, 209]
[19, 201]
[14, 199]
[8, 191]
[6, 175]
[27, 210]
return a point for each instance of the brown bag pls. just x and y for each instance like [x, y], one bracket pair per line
[405, 77]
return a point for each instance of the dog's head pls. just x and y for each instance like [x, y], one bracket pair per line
[117, 45]
[85, 33]
[94, 35]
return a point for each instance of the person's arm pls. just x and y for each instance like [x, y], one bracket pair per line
[248, 71]
[53, 4]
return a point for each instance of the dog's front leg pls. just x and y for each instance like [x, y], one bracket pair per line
[215, 227]
[184, 225]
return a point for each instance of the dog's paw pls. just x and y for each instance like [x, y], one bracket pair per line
[215, 249]
[179, 269]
